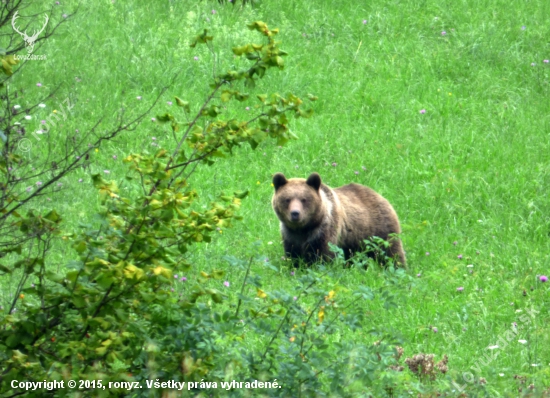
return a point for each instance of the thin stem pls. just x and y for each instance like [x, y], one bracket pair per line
[192, 124]
[242, 287]
[275, 335]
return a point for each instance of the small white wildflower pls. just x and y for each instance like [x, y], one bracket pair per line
[41, 105]
[28, 117]
[17, 107]
[493, 347]
[522, 341]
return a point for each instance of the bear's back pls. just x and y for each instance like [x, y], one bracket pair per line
[367, 212]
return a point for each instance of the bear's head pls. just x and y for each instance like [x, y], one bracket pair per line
[298, 202]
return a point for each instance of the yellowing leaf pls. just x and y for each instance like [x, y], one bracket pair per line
[183, 104]
[261, 293]
[162, 271]
[240, 50]
[7, 63]
[226, 95]
[131, 271]
[321, 314]
[330, 296]
[155, 203]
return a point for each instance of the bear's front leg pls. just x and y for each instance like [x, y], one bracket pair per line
[292, 252]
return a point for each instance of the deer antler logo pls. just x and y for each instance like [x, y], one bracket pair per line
[30, 40]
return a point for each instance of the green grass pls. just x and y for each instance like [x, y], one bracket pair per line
[468, 177]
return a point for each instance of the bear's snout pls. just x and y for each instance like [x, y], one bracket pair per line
[295, 210]
[294, 215]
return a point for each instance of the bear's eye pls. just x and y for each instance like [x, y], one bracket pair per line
[287, 201]
[304, 201]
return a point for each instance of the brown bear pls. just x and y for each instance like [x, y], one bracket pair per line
[312, 215]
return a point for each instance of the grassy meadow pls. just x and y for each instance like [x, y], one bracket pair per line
[443, 107]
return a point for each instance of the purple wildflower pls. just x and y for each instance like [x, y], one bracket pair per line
[183, 279]
[543, 278]
[459, 256]
[364, 21]
[38, 84]
[443, 33]
[226, 284]
[434, 329]
[459, 289]
[422, 111]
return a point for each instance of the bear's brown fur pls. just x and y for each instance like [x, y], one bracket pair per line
[312, 215]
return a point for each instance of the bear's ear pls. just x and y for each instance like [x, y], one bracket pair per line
[279, 180]
[314, 181]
